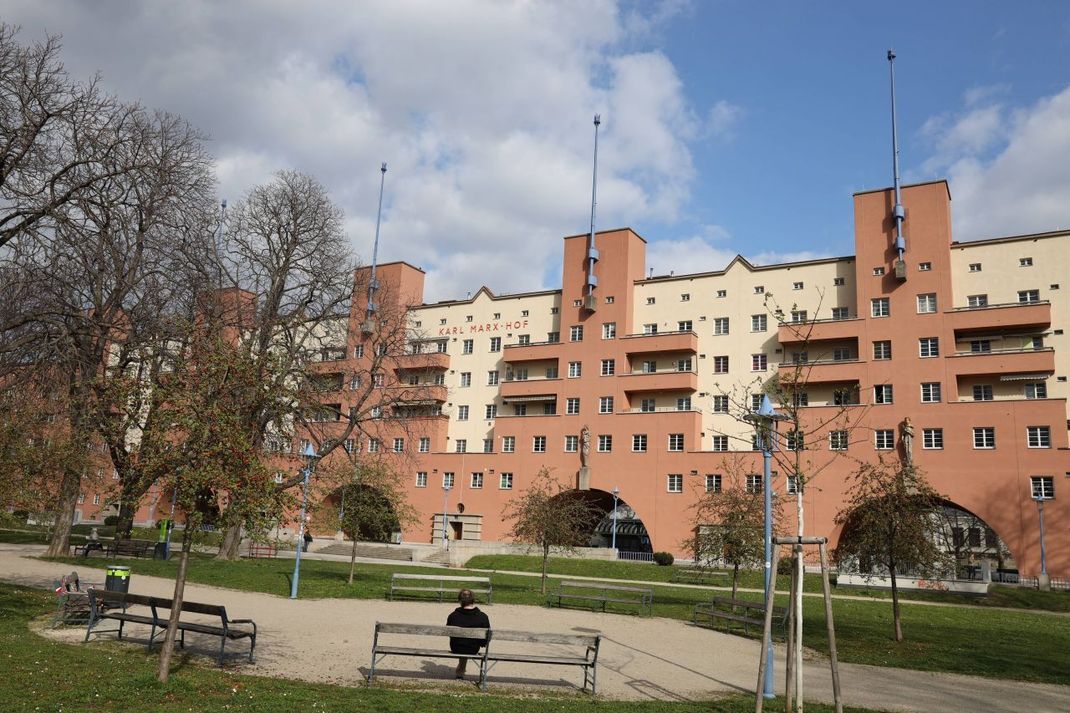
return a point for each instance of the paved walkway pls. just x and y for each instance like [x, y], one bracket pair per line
[329, 640]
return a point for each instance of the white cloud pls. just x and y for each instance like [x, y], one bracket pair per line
[481, 109]
[696, 253]
[723, 119]
[1007, 166]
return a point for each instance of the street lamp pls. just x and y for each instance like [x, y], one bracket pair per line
[310, 454]
[1040, 494]
[765, 424]
[616, 494]
[445, 513]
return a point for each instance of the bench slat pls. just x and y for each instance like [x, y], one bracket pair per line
[460, 632]
[532, 637]
[444, 578]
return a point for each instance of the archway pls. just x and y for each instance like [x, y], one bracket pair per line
[632, 536]
[360, 508]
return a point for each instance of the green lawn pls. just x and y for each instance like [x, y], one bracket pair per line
[969, 639]
[40, 674]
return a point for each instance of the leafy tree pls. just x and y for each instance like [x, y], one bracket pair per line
[548, 514]
[892, 523]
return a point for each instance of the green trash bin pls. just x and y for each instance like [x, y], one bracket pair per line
[117, 579]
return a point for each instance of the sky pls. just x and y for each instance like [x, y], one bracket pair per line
[728, 127]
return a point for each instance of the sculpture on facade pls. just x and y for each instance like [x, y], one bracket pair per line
[585, 445]
[907, 436]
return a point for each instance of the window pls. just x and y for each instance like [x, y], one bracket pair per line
[1029, 295]
[800, 357]
[488, 445]
[1037, 342]
[575, 368]
[841, 313]
[572, 444]
[930, 392]
[610, 299]
[758, 362]
[650, 329]
[676, 442]
[490, 411]
[713, 483]
[839, 281]
[520, 409]
[982, 392]
[685, 297]
[575, 333]
[798, 316]
[639, 443]
[759, 322]
[605, 443]
[377, 381]
[683, 403]
[884, 439]
[882, 349]
[841, 354]
[929, 347]
[649, 367]
[975, 267]
[354, 383]
[796, 440]
[495, 344]
[720, 325]
[722, 293]
[977, 300]
[882, 394]
[538, 444]
[759, 289]
[754, 483]
[421, 479]
[878, 271]
[1038, 436]
[1042, 487]
[468, 318]
[609, 330]
[461, 445]
[980, 346]
[440, 379]
[572, 406]
[720, 443]
[925, 266]
[647, 405]
[373, 445]
[880, 307]
[577, 303]
[447, 480]
[553, 337]
[1025, 262]
[927, 303]
[466, 378]
[441, 347]
[477, 480]
[932, 438]
[800, 398]
[551, 372]
[462, 413]
[684, 325]
[492, 378]
[720, 403]
[399, 445]
[838, 440]
[605, 404]
[755, 402]
[358, 351]
[796, 285]
[676, 483]
[521, 339]
[683, 364]
[505, 481]
[425, 445]
[508, 444]
[349, 445]
[984, 437]
[1036, 390]
[81, 496]
[609, 367]
[466, 346]
[720, 365]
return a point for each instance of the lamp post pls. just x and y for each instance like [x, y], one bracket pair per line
[310, 454]
[765, 423]
[1043, 581]
[445, 514]
[616, 494]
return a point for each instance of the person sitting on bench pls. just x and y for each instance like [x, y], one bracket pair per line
[467, 615]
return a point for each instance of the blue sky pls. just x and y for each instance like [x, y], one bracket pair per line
[728, 126]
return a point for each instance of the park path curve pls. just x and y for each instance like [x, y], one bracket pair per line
[329, 640]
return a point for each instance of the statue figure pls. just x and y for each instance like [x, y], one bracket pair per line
[907, 435]
[585, 445]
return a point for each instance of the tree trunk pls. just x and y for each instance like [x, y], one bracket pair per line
[60, 543]
[545, 561]
[125, 527]
[228, 548]
[735, 579]
[352, 560]
[895, 606]
[164, 668]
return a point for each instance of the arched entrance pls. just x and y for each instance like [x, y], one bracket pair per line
[631, 534]
[359, 511]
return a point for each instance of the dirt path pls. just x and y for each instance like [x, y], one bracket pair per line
[329, 640]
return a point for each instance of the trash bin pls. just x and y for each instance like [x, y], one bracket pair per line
[159, 552]
[117, 579]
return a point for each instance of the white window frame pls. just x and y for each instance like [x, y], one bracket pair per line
[674, 483]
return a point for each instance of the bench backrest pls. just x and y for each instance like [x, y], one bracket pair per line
[124, 598]
[610, 587]
[533, 637]
[209, 609]
[438, 577]
[132, 545]
[457, 632]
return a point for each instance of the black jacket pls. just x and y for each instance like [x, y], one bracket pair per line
[471, 618]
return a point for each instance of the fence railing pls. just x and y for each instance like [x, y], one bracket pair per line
[635, 556]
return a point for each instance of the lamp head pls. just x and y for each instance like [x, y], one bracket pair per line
[309, 452]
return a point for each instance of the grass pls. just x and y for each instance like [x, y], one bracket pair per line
[957, 639]
[21, 533]
[40, 674]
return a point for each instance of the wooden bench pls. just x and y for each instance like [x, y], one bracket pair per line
[742, 611]
[118, 604]
[135, 548]
[587, 644]
[603, 594]
[380, 651]
[263, 549]
[696, 575]
[440, 584]
[83, 550]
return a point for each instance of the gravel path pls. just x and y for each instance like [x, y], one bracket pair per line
[642, 658]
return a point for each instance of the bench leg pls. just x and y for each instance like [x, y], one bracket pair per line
[222, 646]
[252, 647]
[121, 622]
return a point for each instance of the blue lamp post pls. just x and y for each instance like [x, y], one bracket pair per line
[310, 454]
[616, 494]
[765, 424]
[1040, 494]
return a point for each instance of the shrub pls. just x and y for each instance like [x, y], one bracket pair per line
[784, 566]
[663, 559]
[111, 521]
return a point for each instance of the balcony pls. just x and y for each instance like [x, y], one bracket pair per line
[667, 380]
[1003, 361]
[417, 362]
[825, 370]
[415, 394]
[1027, 316]
[660, 343]
[529, 387]
[532, 351]
[819, 330]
